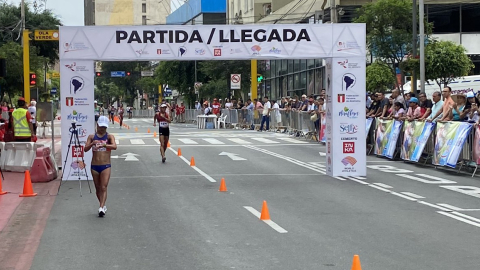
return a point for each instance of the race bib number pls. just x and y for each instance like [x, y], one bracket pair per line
[163, 124]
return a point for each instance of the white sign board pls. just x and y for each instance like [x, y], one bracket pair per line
[77, 82]
[346, 149]
[212, 42]
[343, 45]
[147, 73]
[235, 81]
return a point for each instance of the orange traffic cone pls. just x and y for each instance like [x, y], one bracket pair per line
[136, 129]
[168, 144]
[179, 152]
[356, 263]
[265, 215]
[1, 191]
[223, 187]
[192, 162]
[148, 131]
[27, 186]
[154, 134]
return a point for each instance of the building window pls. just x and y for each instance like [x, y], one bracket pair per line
[445, 18]
[144, 8]
[470, 13]
[144, 20]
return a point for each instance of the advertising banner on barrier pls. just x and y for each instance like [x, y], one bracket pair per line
[451, 137]
[415, 137]
[476, 145]
[346, 105]
[386, 134]
[212, 42]
[77, 97]
[368, 125]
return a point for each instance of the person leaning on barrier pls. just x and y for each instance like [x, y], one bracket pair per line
[384, 105]
[22, 123]
[436, 108]
[425, 105]
[472, 108]
[414, 111]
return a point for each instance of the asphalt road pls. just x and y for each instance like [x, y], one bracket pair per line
[171, 216]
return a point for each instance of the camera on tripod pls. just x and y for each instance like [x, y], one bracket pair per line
[74, 125]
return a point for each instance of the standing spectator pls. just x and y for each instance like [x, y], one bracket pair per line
[249, 113]
[374, 107]
[228, 104]
[304, 105]
[266, 114]
[384, 105]
[425, 105]
[447, 107]
[216, 107]
[22, 125]
[472, 108]
[197, 105]
[96, 112]
[181, 113]
[436, 108]
[458, 111]
[276, 111]
[33, 112]
[397, 97]
[414, 111]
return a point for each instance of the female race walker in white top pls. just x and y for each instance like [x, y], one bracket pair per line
[163, 131]
[102, 144]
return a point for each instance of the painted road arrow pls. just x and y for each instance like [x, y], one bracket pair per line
[127, 157]
[231, 156]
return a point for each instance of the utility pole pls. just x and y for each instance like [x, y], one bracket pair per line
[414, 45]
[333, 11]
[422, 46]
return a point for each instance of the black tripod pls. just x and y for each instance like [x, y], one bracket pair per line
[78, 147]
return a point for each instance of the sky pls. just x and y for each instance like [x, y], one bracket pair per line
[70, 12]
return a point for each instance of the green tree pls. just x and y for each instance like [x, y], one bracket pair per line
[179, 75]
[389, 29]
[216, 71]
[36, 18]
[12, 84]
[445, 61]
[379, 77]
[107, 92]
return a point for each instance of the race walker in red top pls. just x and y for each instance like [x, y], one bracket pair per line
[163, 131]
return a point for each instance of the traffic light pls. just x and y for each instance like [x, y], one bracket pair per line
[98, 74]
[128, 73]
[33, 79]
[259, 78]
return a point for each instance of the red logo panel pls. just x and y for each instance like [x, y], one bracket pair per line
[77, 151]
[349, 147]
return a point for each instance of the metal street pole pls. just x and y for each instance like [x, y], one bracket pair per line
[422, 46]
[333, 11]
[414, 44]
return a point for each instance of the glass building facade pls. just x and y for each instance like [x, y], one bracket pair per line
[292, 78]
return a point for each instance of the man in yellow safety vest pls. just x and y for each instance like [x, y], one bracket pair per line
[22, 122]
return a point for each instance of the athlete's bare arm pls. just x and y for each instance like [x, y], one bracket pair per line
[89, 143]
[113, 143]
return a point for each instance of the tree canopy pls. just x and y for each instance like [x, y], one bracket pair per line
[379, 77]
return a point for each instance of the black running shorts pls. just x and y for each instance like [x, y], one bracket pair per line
[164, 131]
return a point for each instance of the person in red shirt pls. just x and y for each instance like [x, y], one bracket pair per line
[216, 107]
[180, 112]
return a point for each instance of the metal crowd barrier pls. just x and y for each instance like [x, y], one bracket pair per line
[466, 158]
[143, 113]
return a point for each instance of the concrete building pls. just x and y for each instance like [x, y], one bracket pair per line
[199, 12]
[126, 12]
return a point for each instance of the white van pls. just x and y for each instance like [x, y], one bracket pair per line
[459, 86]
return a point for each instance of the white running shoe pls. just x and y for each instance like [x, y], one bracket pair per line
[105, 209]
[101, 212]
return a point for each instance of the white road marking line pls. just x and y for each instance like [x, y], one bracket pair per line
[435, 206]
[270, 223]
[157, 141]
[380, 188]
[322, 154]
[403, 196]
[289, 159]
[413, 195]
[340, 178]
[459, 218]
[383, 185]
[213, 141]
[137, 141]
[239, 141]
[209, 178]
[263, 140]
[117, 141]
[291, 140]
[439, 180]
[466, 216]
[358, 181]
[187, 141]
[360, 177]
[454, 208]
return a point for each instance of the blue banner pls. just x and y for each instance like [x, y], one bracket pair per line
[389, 149]
[368, 125]
[451, 137]
[422, 141]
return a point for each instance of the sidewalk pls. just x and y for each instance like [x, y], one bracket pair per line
[22, 220]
